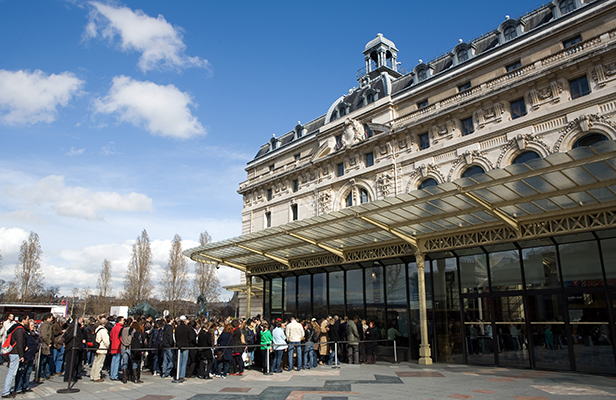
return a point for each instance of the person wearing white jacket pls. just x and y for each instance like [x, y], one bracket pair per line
[295, 335]
[102, 338]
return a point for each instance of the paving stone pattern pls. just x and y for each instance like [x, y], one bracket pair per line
[381, 381]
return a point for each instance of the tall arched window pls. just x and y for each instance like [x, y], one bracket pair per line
[566, 6]
[349, 199]
[472, 170]
[589, 140]
[427, 183]
[363, 195]
[510, 33]
[370, 98]
[334, 115]
[462, 55]
[525, 156]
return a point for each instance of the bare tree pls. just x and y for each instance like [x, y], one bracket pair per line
[206, 281]
[104, 280]
[137, 284]
[28, 273]
[175, 276]
[85, 293]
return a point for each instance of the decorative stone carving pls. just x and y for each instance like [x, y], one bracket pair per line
[324, 202]
[423, 172]
[384, 183]
[545, 94]
[522, 142]
[602, 74]
[584, 123]
[468, 158]
[353, 132]
[402, 144]
[490, 114]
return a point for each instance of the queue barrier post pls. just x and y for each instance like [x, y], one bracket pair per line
[336, 355]
[395, 352]
[38, 365]
[177, 372]
[267, 357]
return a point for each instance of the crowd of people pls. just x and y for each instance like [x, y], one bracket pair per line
[177, 348]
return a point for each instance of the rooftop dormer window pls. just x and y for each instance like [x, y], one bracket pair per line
[566, 6]
[510, 33]
[422, 75]
[462, 55]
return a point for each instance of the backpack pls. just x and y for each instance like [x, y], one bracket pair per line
[157, 337]
[138, 342]
[8, 346]
[315, 336]
[250, 336]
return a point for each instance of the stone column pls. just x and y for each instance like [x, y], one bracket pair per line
[424, 347]
[248, 294]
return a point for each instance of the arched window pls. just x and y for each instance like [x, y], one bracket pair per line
[334, 115]
[342, 111]
[510, 33]
[525, 156]
[589, 140]
[427, 183]
[472, 170]
[422, 75]
[363, 195]
[349, 199]
[462, 55]
[566, 6]
[370, 98]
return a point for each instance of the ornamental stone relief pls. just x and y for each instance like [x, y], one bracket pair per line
[324, 202]
[547, 94]
[602, 74]
[491, 114]
[353, 132]
[468, 158]
[522, 142]
[422, 172]
[584, 123]
[384, 183]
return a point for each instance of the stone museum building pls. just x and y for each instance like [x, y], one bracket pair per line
[470, 201]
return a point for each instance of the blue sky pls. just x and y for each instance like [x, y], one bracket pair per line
[120, 116]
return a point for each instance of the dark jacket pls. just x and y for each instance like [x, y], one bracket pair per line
[70, 339]
[167, 337]
[205, 340]
[225, 340]
[31, 346]
[372, 335]
[18, 338]
[182, 335]
[334, 332]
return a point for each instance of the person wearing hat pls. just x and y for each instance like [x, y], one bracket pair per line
[182, 340]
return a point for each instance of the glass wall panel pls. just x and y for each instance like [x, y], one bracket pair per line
[267, 291]
[449, 337]
[505, 270]
[319, 295]
[580, 264]
[474, 274]
[375, 300]
[590, 328]
[511, 331]
[290, 293]
[415, 333]
[478, 325]
[303, 296]
[277, 294]
[336, 293]
[608, 247]
[397, 313]
[540, 268]
[355, 293]
[548, 333]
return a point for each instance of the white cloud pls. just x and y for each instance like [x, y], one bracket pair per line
[109, 149]
[161, 110]
[31, 97]
[160, 43]
[11, 240]
[77, 202]
[74, 152]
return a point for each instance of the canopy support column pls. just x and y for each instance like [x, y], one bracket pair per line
[424, 348]
[248, 294]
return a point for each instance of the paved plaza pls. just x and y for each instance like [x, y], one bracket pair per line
[378, 381]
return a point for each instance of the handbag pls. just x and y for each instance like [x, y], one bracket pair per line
[219, 354]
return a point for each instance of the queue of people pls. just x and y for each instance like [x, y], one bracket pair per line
[180, 348]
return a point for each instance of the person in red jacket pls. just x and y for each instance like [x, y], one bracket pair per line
[115, 348]
[18, 340]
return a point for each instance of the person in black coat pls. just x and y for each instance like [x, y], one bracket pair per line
[182, 340]
[225, 340]
[372, 335]
[73, 345]
[192, 353]
[205, 356]
[334, 336]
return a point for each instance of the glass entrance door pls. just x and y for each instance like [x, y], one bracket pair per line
[510, 334]
[548, 336]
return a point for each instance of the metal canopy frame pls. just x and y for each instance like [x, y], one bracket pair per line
[508, 199]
